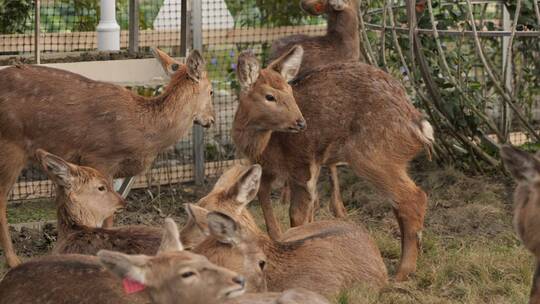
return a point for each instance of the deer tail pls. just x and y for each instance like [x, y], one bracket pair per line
[424, 132]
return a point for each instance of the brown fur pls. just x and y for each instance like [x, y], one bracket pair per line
[173, 276]
[327, 256]
[292, 296]
[341, 43]
[92, 123]
[355, 113]
[80, 214]
[525, 168]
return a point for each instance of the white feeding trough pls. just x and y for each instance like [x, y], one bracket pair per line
[215, 15]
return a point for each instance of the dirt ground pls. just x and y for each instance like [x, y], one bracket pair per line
[470, 253]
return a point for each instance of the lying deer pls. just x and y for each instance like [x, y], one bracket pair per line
[326, 256]
[85, 198]
[94, 124]
[525, 168]
[341, 43]
[172, 276]
[355, 113]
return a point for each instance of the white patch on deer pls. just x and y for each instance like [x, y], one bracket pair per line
[427, 130]
[314, 170]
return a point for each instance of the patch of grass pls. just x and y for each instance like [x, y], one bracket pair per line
[31, 211]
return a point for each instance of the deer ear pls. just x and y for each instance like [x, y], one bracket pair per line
[289, 64]
[247, 186]
[169, 65]
[199, 216]
[170, 241]
[58, 170]
[223, 228]
[522, 165]
[132, 267]
[247, 69]
[195, 65]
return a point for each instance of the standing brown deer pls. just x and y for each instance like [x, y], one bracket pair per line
[85, 198]
[172, 276]
[355, 113]
[326, 256]
[341, 43]
[525, 168]
[92, 123]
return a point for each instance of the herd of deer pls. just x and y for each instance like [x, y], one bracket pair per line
[315, 104]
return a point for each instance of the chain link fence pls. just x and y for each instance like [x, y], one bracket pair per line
[228, 27]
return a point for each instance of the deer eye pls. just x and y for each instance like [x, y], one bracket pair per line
[102, 188]
[262, 265]
[187, 274]
[212, 93]
[175, 67]
[270, 98]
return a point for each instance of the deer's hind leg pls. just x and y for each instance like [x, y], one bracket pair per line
[12, 161]
[410, 202]
[336, 202]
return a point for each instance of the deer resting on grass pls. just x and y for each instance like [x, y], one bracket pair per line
[525, 168]
[327, 256]
[173, 276]
[85, 198]
[354, 113]
[96, 124]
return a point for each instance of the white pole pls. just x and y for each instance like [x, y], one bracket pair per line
[108, 30]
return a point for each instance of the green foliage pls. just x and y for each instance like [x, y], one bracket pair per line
[15, 15]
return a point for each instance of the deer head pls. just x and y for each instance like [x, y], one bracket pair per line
[266, 100]
[175, 275]
[232, 192]
[195, 69]
[319, 7]
[235, 248]
[85, 194]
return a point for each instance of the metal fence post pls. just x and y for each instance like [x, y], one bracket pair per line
[198, 134]
[133, 26]
[37, 32]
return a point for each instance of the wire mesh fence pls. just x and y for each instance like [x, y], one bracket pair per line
[230, 26]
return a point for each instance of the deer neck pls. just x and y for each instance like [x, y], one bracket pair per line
[343, 27]
[167, 117]
[249, 139]
[65, 224]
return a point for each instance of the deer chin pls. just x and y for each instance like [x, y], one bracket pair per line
[234, 292]
[204, 123]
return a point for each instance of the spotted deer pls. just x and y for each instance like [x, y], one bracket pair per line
[172, 276]
[341, 43]
[92, 123]
[326, 256]
[354, 113]
[525, 168]
[84, 200]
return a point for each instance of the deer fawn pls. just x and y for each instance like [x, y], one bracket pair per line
[92, 123]
[341, 43]
[525, 168]
[172, 276]
[355, 113]
[82, 208]
[327, 256]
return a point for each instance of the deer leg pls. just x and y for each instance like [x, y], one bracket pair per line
[285, 194]
[12, 160]
[304, 196]
[410, 202]
[535, 290]
[272, 225]
[336, 203]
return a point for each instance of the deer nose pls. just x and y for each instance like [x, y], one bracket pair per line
[240, 280]
[301, 123]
